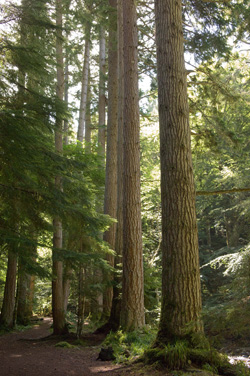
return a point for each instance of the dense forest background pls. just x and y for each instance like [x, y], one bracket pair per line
[61, 161]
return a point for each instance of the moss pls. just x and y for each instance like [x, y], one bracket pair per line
[80, 342]
[65, 344]
[181, 355]
[171, 356]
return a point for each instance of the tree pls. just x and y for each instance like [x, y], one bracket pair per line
[59, 323]
[132, 312]
[85, 79]
[110, 199]
[102, 98]
[181, 292]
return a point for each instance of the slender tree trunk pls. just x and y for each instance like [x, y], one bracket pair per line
[208, 231]
[85, 79]
[31, 293]
[66, 78]
[66, 284]
[132, 312]
[66, 99]
[88, 120]
[59, 326]
[102, 99]
[81, 302]
[101, 132]
[8, 307]
[181, 292]
[110, 199]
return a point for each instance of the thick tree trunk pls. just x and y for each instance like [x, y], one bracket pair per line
[114, 319]
[8, 307]
[59, 326]
[132, 312]
[102, 99]
[181, 292]
[85, 79]
[110, 199]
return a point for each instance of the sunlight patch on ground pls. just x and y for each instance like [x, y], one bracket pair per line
[104, 368]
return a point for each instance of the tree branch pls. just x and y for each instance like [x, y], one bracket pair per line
[221, 192]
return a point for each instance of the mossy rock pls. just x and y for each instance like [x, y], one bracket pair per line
[65, 344]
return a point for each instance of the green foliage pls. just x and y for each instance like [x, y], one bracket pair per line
[151, 221]
[129, 345]
[226, 310]
[220, 120]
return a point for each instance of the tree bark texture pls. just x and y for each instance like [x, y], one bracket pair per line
[85, 79]
[57, 267]
[181, 292]
[110, 199]
[8, 307]
[102, 99]
[114, 320]
[132, 311]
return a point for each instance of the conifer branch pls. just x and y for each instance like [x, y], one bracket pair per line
[222, 191]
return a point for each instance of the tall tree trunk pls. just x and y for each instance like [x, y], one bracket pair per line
[101, 133]
[181, 292]
[8, 307]
[132, 312]
[80, 135]
[114, 319]
[110, 199]
[88, 120]
[66, 99]
[59, 326]
[102, 99]
[85, 79]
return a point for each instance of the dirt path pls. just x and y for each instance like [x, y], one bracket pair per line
[23, 354]
[32, 353]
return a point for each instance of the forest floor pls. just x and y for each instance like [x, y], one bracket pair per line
[33, 353]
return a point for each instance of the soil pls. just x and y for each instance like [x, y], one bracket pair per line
[33, 353]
